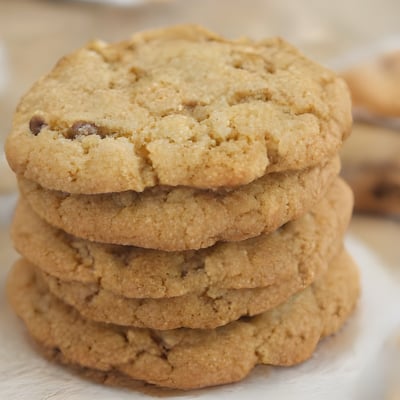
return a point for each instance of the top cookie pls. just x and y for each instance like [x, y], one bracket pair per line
[177, 106]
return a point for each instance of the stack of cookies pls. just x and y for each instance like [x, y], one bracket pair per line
[181, 219]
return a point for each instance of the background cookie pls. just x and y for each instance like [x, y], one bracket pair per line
[371, 165]
[187, 358]
[300, 246]
[183, 218]
[375, 85]
[177, 106]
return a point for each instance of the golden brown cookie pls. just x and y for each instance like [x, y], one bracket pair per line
[300, 247]
[376, 188]
[187, 358]
[177, 106]
[375, 85]
[371, 165]
[207, 310]
[183, 218]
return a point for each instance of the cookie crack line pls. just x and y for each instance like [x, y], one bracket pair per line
[209, 311]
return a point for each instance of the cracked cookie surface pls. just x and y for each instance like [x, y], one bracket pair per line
[299, 247]
[177, 106]
[187, 358]
[207, 310]
[183, 218]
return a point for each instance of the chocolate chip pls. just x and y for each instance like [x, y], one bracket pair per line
[83, 128]
[36, 124]
[385, 189]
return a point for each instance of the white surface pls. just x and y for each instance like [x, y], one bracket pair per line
[351, 365]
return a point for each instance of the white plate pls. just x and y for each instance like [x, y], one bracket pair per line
[355, 364]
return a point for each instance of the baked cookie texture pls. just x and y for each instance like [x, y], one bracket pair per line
[375, 85]
[304, 257]
[184, 218]
[179, 106]
[207, 310]
[299, 247]
[188, 358]
[181, 217]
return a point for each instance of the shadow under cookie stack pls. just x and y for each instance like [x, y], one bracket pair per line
[181, 219]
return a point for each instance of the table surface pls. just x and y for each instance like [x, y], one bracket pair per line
[35, 34]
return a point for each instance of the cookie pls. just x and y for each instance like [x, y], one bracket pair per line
[375, 85]
[371, 165]
[183, 218]
[187, 358]
[177, 106]
[299, 247]
[207, 310]
[376, 188]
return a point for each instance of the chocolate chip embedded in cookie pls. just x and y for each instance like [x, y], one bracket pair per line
[188, 358]
[83, 128]
[36, 124]
[177, 106]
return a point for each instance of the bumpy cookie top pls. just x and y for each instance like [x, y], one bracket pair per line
[177, 106]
